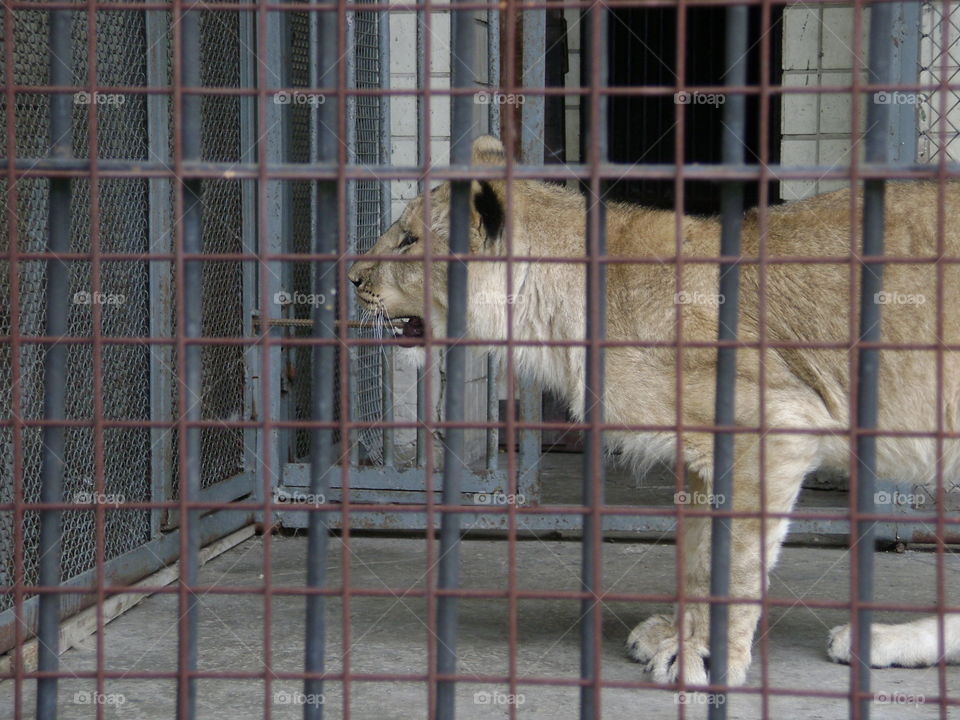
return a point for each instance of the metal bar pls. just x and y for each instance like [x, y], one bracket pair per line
[161, 278]
[493, 413]
[731, 200]
[493, 68]
[454, 468]
[353, 439]
[868, 359]
[421, 416]
[324, 210]
[188, 108]
[905, 71]
[386, 219]
[55, 362]
[533, 76]
[594, 66]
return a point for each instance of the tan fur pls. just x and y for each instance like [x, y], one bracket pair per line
[803, 388]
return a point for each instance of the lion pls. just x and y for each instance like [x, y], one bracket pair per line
[804, 390]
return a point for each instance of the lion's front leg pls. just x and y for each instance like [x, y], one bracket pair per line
[655, 642]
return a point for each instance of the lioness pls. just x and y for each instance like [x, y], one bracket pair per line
[802, 388]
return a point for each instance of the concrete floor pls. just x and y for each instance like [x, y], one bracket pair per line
[389, 635]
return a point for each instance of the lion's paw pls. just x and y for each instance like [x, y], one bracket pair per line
[908, 645]
[653, 643]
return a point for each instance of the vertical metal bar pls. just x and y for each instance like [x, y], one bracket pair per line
[493, 68]
[353, 438]
[276, 136]
[868, 359]
[324, 210]
[731, 204]
[533, 77]
[386, 219]
[423, 147]
[187, 74]
[905, 70]
[55, 362]
[461, 124]
[421, 416]
[253, 438]
[531, 153]
[493, 413]
[592, 492]
[493, 128]
[161, 279]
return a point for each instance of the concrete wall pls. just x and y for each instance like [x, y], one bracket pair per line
[404, 131]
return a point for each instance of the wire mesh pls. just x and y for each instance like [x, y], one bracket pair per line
[939, 63]
[124, 296]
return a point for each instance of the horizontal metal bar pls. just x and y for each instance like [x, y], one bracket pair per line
[298, 474]
[53, 167]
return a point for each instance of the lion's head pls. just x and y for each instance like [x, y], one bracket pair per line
[395, 288]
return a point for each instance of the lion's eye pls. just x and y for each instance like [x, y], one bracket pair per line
[406, 241]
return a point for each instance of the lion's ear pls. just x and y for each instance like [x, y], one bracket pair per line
[487, 203]
[487, 150]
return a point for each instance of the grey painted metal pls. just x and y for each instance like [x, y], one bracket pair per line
[297, 475]
[124, 569]
[533, 76]
[493, 68]
[831, 531]
[421, 417]
[530, 394]
[276, 136]
[350, 56]
[386, 219]
[880, 70]
[239, 486]
[192, 236]
[493, 128]
[55, 362]
[905, 67]
[594, 66]
[493, 412]
[252, 437]
[454, 468]
[161, 277]
[323, 362]
[731, 202]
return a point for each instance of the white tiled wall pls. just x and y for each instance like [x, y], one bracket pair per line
[818, 51]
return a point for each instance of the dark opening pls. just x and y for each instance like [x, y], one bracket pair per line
[643, 52]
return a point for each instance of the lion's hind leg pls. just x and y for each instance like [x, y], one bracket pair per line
[911, 644]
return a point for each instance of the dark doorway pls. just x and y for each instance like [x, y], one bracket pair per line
[643, 52]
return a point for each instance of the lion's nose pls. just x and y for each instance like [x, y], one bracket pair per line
[355, 277]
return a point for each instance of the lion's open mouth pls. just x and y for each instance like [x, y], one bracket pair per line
[412, 331]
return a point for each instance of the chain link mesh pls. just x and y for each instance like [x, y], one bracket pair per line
[939, 62]
[122, 133]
